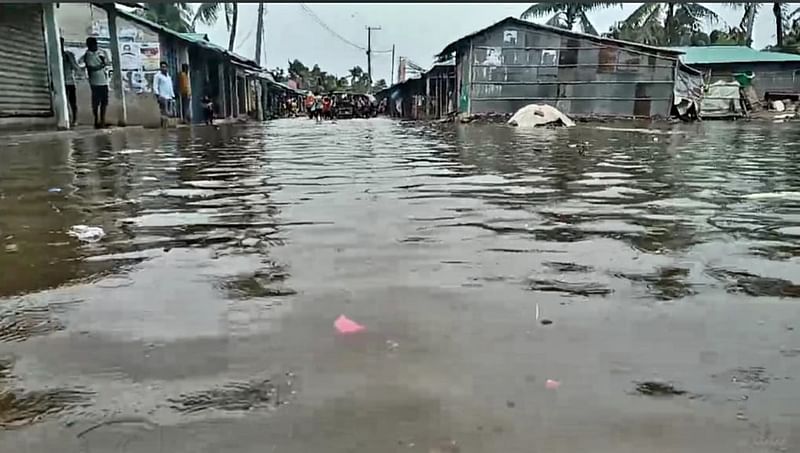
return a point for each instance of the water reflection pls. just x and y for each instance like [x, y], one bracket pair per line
[214, 234]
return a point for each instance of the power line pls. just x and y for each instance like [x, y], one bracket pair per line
[316, 18]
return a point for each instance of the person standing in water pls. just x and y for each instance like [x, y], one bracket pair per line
[165, 93]
[70, 68]
[186, 93]
[95, 61]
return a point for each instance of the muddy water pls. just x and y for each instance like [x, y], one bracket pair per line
[651, 278]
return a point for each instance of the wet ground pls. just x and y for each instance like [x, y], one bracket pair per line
[586, 289]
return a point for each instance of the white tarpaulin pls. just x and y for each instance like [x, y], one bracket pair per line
[539, 115]
[722, 99]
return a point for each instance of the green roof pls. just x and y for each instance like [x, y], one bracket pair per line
[732, 54]
[194, 37]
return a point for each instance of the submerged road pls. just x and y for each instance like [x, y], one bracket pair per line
[583, 289]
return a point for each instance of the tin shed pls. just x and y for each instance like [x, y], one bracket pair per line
[513, 63]
[775, 72]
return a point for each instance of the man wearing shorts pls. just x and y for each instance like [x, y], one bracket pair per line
[95, 61]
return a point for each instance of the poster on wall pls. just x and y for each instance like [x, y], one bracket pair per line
[150, 56]
[130, 56]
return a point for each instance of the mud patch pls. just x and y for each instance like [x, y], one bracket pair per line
[6, 364]
[235, 396]
[749, 378]
[567, 267]
[575, 289]
[19, 324]
[417, 240]
[23, 408]
[755, 285]
[659, 389]
[263, 283]
[666, 283]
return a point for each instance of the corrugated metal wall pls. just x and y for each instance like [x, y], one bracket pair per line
[24, 74]
[781, 77]
[515, 66]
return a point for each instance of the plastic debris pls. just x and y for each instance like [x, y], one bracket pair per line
[86, 233]
[539, 115]
[12, 248]
[149, 178]
[54, 190]
[346, 325]
[550, 384]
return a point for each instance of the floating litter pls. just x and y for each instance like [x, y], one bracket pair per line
[552, 385]
[54, 190]
[86, 233]
[346, 325]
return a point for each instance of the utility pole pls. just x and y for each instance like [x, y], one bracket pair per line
[369, 55]
[391, 80]
[259, 32]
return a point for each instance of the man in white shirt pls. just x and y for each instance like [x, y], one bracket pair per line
[163, 89]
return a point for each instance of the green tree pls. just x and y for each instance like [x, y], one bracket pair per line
[750, 10]
[778, 10]
[208, 13]
[177, 16]
[665, 24]
[567, 15]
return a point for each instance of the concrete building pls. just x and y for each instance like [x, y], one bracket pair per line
[31, 74]
[775, 74]
[513, 63]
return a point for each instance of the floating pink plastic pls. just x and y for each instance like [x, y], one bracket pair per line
[552, 385]
[346, 325]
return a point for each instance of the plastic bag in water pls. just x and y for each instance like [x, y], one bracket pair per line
[86, 233]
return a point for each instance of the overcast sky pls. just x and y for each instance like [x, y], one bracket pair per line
[418, 30]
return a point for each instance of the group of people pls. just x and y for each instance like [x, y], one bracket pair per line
[96, 64]
[319, 107]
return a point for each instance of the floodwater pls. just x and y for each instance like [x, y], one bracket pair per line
[583, 289]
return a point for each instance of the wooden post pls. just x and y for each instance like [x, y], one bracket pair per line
[56, 63]
[116, 64]
[236, 100]
[427, 97]
[223, 99]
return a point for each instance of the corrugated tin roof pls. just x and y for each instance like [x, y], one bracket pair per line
[523, 23]
[195, 36]
[732, 54]
[191, 38]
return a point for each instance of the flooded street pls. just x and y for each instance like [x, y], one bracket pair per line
[582, 289]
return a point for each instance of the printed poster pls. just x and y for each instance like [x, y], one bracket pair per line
[150, 56]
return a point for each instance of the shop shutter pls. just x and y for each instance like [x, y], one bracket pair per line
[24, 77]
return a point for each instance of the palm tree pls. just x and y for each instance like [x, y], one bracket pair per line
[681, 21]
[778, 10]
[177, 16]
[566, 15]
[208, 13]
[750, 9]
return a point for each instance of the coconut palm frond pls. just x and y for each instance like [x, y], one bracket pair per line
[543, 9]
[700, 12]
[586, 24]
[556, 21]
[640, 14]
[207, 13]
